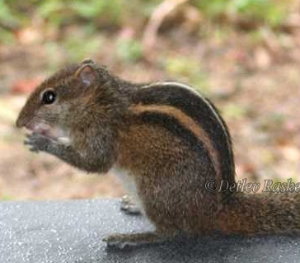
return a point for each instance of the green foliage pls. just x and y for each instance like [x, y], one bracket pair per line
[212, 8]
[186, 69]
[97, 8]
[6, 13]
[141, 8]
[107, 13]
[271, 122]
[72, 49]
[270, 12]
[6, 37]
[234, 111]
[76, 49]
[129, 50]
[52, 10]
[6, 198]
[58, 12]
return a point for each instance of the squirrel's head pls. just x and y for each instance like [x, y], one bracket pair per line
[67, 98]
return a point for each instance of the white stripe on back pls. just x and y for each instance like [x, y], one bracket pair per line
[170, 83]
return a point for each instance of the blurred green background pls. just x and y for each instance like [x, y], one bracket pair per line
[243, 54]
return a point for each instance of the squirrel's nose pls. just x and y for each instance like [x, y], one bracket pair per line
[19, 122]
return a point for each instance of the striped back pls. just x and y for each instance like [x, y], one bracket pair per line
[195, 110]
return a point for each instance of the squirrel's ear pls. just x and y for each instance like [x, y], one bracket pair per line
[87, 74]
[87, 61]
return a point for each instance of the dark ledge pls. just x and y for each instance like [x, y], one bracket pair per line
[71, 232]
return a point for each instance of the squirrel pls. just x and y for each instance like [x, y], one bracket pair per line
[165, 140]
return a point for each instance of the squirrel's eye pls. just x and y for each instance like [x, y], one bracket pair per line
[49, 97]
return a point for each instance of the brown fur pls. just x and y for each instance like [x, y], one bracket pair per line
[107, 128]
[156, 159]
[264, 213]
[188, 122]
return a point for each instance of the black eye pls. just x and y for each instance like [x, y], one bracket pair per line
[49, 97]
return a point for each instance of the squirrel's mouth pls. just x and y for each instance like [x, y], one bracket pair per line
[40, 128]
[44, 129]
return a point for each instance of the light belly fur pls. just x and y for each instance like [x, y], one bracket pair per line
[128, 182]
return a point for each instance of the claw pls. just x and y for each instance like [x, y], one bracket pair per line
[129, 207]
[115, 243]
[34, 150]
[35, 142]
[121, 241]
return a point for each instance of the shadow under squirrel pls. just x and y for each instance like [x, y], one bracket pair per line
[164, 140]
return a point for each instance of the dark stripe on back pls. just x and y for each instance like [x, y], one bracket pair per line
[185, 135]
[200, 112]
[230, 163]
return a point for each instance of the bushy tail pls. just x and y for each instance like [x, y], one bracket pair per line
[264, 213]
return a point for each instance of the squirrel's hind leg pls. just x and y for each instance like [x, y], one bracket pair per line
[122, 241]
[129, 207]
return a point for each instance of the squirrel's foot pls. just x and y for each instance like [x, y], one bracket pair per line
[121, 241]
[129, 207]
[37, 142]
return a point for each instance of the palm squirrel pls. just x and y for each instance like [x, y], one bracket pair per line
[165, 140]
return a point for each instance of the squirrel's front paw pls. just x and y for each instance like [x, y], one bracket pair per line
[37, 142]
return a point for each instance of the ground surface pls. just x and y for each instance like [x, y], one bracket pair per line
[71, 231]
